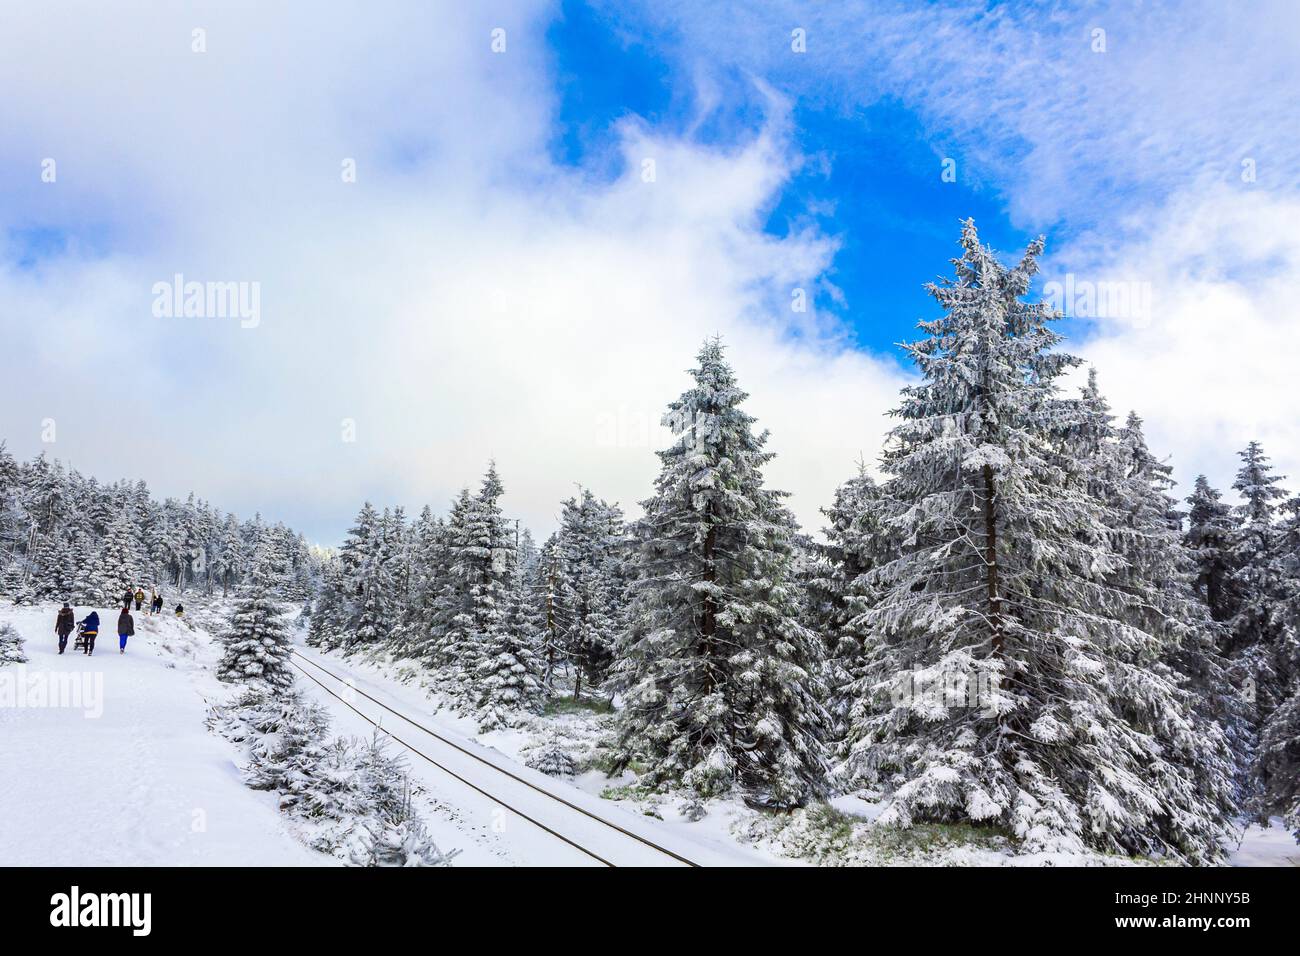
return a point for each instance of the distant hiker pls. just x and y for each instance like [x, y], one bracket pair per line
[139, 598]
[125, 628]
[126, 599]
[89, 630]
[157, 604]
[64, 624]
[180, 610]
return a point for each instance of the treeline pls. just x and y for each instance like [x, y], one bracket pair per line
[64, 536]
[1018, 627]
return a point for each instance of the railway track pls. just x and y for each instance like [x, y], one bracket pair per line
[480, 787]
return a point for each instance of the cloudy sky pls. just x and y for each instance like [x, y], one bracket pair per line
[500, 230]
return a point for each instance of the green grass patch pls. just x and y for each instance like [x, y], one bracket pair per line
[560, 706]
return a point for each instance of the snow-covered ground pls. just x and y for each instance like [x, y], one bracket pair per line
[126, 772]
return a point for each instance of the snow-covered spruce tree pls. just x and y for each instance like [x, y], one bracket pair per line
[508, 679]
[416, 618]
[375, 592]
[448, 591]
[11, 646]
[86, 586]
[1262, 638]
[839, 590]
[231, 557]
[256, 645]
[1279, 763]
[358, 545]
[716, 671]
[1210, 528]
[590, 531]
[474, 600]
[118, 567]
[555, 601]
[1011, 681]
[332, 610]
[1159, 575]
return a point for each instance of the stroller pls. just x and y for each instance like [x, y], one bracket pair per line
[80, 643]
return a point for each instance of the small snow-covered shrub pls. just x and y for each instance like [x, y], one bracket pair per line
[11, 646]
[552, 760]
[351, 798]
[693, 809]
[283, 737]
[825, 836]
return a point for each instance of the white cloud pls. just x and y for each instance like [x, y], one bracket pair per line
[1213, 366]
[464, 299]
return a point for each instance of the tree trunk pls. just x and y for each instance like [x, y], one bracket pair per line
[991, 561]
[708, 612]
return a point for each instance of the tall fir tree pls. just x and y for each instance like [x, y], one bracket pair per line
[840, 590]
[718, 674]
[508, 679]
[1016, 675]
[589, 539]
[1262, 632]
[119, 559]
[473, 603]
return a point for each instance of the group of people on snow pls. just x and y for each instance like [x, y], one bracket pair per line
[88, 627]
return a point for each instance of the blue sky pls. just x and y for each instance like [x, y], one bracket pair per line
[874, 181]
[499, 280]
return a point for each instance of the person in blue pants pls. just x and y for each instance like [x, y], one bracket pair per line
[125, 628]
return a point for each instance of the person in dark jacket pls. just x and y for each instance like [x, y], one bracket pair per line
[125, 628]
[180, 610]
[127, 598]
[89, 630]
[157, 604]
[64, 624]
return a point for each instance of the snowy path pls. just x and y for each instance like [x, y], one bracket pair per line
[528, 842]
[143, 783]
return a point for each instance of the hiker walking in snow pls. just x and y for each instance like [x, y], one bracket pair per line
[180, 610]
[64, 624]
[125, 628]
[126, 599]
[157, 604]
[89, 630]
[139, 598]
